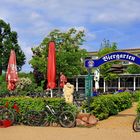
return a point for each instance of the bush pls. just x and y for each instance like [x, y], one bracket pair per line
[138, 107]
[104, 106]
[26, 87]
[3, 86]
[136, 96]
[22, 86]
[26, 75]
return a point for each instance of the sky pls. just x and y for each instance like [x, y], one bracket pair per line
[114, 20]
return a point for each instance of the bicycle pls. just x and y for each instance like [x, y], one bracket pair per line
[31, 117]
[136, 123]
[6, 115]
[63, 117]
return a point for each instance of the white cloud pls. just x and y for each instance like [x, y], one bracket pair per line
[26, 48]
[79, 28]
[90, 36]
[118, 12]
[81, 11]
[75, 12]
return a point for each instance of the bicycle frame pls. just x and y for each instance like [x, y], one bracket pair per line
[50, 110]
[61, 116]
[55, 113]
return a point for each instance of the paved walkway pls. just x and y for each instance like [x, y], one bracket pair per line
[123, 120]
[117, 127]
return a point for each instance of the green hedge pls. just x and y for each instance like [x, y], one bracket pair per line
[138, 107]
[106, 105]
[102, 106]
[136, 96]
[38, 104]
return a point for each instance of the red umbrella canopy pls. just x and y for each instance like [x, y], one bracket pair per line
[51, 73]
[11, 74]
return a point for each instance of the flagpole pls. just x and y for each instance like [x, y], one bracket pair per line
[51, 93]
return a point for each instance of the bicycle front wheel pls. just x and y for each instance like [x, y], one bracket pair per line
[67, 119]
[33, 118]
[136, 124]
[6, 114]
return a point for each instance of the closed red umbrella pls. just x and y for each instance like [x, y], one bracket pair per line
[51, 72]
[11, 74]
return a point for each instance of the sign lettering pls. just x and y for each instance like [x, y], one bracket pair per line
[123, 56]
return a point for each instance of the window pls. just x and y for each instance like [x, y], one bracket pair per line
[125, 63]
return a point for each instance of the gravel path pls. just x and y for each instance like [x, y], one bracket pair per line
[117, 127]
[123, 120]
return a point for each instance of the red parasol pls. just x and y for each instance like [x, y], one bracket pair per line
[51, 73]
[11, 75]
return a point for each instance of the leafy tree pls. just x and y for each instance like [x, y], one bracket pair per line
[106, 48]
[68, 52]
[38, 76]
[8, 41]
[26, 75]
[133, 69]
[3, 85]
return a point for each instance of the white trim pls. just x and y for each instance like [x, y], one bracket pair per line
[119, 83]
[134, 83]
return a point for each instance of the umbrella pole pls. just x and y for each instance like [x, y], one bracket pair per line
[51, 93]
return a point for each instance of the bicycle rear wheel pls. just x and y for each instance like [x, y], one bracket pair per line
[67, 119]
[44, 118]
[33, 118]
[136, 124]
[6, 114]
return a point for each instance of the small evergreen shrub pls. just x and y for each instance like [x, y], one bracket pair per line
[104, 106]
[136, 96]
[138, 107]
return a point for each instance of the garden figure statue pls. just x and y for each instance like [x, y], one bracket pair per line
[68, 92]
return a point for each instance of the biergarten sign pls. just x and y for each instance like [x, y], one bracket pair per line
[123, 56]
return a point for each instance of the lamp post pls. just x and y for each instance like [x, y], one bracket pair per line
[90, 88]
[88, 81]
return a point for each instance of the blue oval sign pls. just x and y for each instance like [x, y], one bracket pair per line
[124, 56]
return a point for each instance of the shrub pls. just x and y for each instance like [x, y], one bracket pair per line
[26, 87]
[136, 96]
[22, 86]
[27, 75]
[104, 106]
[3, 86]
[138, 107]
